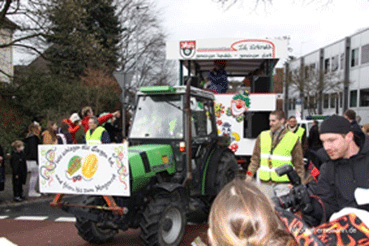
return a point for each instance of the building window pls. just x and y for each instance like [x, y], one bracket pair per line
[354, 57]
[341, 99]
[326, 65]
[342, 61]
[333, 100]
[334, 63]
[294, 103]
[353, 98]
[364, 98]
[312, 70]
[325, 100]
[365, 54]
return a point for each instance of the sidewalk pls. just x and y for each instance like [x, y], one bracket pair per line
[6, 196]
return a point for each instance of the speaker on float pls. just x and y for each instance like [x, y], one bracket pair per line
[260, 84]
[255, 123]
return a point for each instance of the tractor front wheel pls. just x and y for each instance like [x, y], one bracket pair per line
[163, 221]
[94, 232]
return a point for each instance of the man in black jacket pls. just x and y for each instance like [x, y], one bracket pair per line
[359, 135]
[347, 170]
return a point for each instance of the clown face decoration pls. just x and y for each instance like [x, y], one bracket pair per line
[239, 105]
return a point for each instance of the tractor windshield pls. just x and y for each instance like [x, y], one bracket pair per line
[158, 116]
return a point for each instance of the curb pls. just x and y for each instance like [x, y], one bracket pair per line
[6, 204]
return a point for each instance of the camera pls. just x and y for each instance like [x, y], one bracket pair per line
[298, 198]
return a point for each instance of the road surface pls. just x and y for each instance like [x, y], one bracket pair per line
[38, 224]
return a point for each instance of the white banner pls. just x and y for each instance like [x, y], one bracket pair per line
[227, 49]
[84, 169]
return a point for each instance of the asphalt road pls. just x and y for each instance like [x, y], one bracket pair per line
[38, 224]
[32, 233]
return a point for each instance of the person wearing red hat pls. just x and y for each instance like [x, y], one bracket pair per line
[74, 123]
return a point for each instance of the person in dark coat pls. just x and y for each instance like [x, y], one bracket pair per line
[2, 169]
[218, 77]
[314, 141]
[19, 169]
[111, 126]
[359, 135]
[31, 146]
[345, 171]
[63, 134]
[316, 153]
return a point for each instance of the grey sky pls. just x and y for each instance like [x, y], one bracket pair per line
[310, 26]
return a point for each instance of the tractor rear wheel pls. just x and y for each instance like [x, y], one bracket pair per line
[94, 232]
[163, 221]
[227, 170]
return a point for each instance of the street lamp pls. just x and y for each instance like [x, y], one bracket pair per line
[123, 78]
[138, 7]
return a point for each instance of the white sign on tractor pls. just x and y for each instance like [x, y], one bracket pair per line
[84, 169]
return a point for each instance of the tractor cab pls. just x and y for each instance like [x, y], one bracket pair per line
[183, 120]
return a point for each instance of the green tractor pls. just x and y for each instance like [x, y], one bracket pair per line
[178, 164]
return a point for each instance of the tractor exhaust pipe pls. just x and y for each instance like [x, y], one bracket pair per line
[188, 137]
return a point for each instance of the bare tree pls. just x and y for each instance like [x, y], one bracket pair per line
[143, 45]
[265, 3]
[310, 83]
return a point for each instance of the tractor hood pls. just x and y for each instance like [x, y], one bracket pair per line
[147, 160]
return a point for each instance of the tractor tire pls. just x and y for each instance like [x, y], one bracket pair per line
[163, 221]
[227, 170]
[91, 231]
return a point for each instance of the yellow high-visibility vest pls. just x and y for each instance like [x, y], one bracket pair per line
[300, 132]
[95, 137]
[281, 155]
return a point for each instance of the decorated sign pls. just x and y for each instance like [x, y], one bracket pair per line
[84, 169]
[227, 49]
[230, 112]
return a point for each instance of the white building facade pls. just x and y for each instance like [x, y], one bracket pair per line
[331, 79]
[6, 53]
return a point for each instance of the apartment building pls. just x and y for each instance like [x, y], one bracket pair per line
[331, 79]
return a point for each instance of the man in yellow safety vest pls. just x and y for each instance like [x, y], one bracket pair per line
[96, 134]
[273, 148]
[299, 131]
